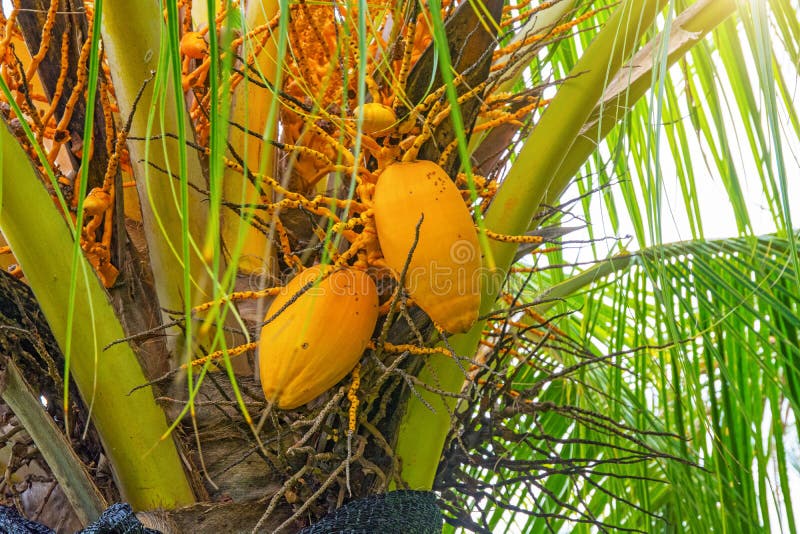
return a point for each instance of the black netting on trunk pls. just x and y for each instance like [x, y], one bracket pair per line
[398, 512]
[117, 519]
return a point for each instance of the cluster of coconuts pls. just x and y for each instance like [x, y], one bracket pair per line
[319, 326]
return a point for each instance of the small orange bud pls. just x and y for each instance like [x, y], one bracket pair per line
[97, 202]
[193, 45]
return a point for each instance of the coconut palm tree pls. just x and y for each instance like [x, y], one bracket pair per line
[187, 186]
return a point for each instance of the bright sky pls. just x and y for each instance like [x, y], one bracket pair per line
[717, 213]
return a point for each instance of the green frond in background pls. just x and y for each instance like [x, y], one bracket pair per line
[724, 316]
[705, 332]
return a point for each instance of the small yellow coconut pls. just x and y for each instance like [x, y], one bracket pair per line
[379, 120]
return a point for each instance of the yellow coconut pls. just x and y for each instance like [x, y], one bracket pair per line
[444, 273]
[318, 334]
[379, 120]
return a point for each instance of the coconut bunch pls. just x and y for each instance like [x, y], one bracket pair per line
[365, 189]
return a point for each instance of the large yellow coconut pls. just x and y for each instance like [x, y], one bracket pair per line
[444, 274]
[318, 336]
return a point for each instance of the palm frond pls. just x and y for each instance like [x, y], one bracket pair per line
[691, 350]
